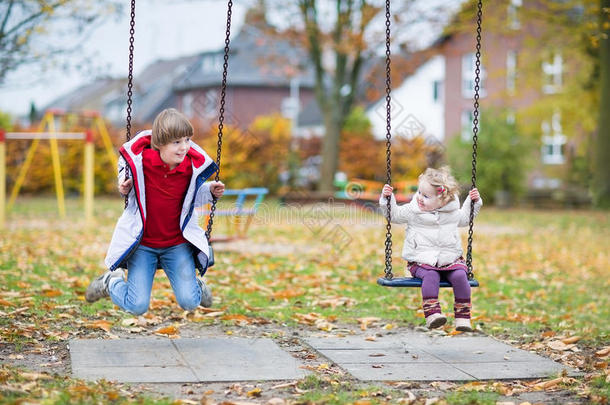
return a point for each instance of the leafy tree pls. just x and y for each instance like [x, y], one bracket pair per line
[601, 189]
[26, 27]
[6, 121]
[256, 155]
[33, 116]
[340, 36]
[504, 156]
[362, 156]
[576, 31]
[360, 153]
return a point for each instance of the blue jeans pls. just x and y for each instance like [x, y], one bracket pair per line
[177, 261]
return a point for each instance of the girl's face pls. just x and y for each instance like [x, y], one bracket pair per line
[174, 152]
[427, 197]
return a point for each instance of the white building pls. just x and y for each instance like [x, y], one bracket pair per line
[417, 106]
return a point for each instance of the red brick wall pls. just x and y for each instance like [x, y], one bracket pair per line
[244, 104]
[494, 51]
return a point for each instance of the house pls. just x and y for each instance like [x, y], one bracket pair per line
[436, 100]
[90, 96]
[418, 104]
[266, 75]
[153, 91]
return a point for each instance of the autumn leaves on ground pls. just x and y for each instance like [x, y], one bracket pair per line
[543, 274]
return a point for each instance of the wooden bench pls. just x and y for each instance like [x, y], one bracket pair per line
[241, 215]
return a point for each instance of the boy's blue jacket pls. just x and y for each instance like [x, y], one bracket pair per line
[129, 228]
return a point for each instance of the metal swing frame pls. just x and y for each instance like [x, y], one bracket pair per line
[388, 279]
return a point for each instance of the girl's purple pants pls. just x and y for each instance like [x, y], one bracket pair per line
[430, 288]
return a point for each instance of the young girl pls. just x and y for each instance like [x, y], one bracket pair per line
[432, 245]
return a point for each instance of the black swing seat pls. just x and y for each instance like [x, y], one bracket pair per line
[414, 282]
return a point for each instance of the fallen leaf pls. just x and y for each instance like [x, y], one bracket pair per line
[324, 325]
[35, 376]
[571, 340]
[289, 293]
[129, 322]
[284, 385]
[168, 330]
[214, 314]
[603, 352]
[557, 345]
[52, 293]
[6, 303]
[100, 324]
[545, 385]
[256, 392]
[366, 321]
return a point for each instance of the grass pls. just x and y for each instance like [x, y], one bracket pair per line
[543, 275]
[20, 384]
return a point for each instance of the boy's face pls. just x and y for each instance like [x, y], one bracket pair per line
[427, 197]
[174, 152]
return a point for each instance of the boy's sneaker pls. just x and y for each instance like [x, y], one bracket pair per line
[435, 320]
[463, 325]
[99, 287]
[206, 294]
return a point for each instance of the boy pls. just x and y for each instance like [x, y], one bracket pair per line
[160, 226]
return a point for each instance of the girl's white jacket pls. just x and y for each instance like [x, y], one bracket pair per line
[129, 228]
[432, 237]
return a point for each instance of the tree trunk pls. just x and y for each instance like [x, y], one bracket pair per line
[330, 148]
[601, 188]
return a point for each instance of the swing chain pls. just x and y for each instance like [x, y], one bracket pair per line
[475, 132]
[132, 31]
[388, 136]
[221, 116]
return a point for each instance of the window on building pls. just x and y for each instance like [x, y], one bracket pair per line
[187, 104]
[437, 91]
[552, 71]
[468, 76]
[211, 102]
[553, 141]
[511, 70]
[510, 117]
[467, 124]
[212, 63]
[513, 14]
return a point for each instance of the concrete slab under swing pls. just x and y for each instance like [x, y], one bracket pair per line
[162, 360]
[417, 356]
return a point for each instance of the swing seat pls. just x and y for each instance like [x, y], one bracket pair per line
[414, 282]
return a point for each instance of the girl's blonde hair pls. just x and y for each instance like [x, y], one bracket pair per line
[442, 180]
[168, 126]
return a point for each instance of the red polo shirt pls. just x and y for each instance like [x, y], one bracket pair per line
[165, 191]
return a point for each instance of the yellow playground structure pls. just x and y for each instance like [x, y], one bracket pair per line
[47, 130]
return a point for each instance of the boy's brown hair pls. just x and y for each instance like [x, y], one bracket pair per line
[168, 126]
